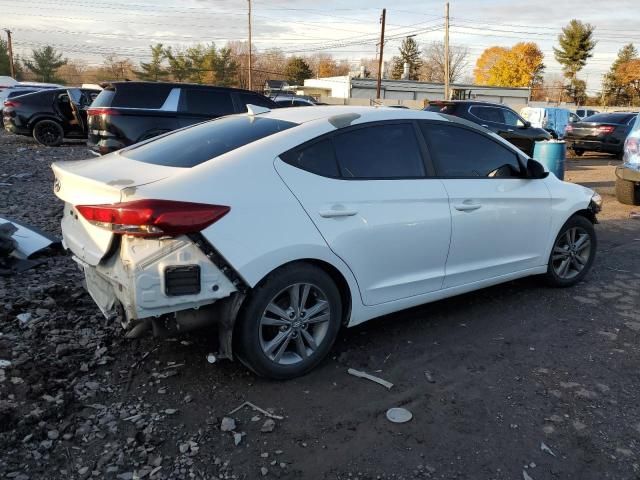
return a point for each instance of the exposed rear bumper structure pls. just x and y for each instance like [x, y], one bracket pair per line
[168, 284]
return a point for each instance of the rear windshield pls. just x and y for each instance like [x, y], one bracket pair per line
[104, 98]
[435, 107]
[195, 145]
[609, 118]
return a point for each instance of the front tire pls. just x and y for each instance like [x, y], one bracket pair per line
[573, 253]
[48, 133]
[289, 322]
[578, 151]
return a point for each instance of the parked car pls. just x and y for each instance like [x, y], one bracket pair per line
[5, 84]
[129, 112]
[628, 174]
[585, 112]
[286, 225]
[49, 115]
[552, 119]
[498, 118]
[573, 117]
[294, 101]
[604, 132]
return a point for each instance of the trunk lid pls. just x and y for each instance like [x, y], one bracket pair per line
[104, 180]
[590, 130]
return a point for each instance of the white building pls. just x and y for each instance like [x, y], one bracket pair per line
[408, 91]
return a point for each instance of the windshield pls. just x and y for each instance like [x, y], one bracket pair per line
[195, 145]
[609, 118]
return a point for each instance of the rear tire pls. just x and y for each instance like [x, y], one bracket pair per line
[573, 253]
[627, 192]
[48, 133]
[578, 151]
[289, 322]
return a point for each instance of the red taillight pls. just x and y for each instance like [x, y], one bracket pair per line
[101, 111]
[11, 103]
[604, 129]
[153, 218]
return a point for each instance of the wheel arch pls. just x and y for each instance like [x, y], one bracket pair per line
[35, 119]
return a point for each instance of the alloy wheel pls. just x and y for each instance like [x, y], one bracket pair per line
[47, 134]
[571, 253]
[294, 324]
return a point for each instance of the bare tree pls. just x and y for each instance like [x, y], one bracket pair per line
[433, 62]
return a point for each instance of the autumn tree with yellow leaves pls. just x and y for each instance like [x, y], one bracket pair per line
[518, 66]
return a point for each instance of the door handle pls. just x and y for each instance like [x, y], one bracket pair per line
[509, 129]
[337, 213]
[467, 207]
[485, 126]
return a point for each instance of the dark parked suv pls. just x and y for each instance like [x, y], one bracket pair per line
[497, 118]
[128, 112]
[49, 115]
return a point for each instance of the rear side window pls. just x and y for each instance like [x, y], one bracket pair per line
[140, 95]
[434, 107]
[205, 141]
[318, 158]
[488, 114]
[379, 151]
[253, 99]
[461, 153]
[202, 101]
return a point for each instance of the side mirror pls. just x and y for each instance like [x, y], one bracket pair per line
[535, 169]
[526, 125]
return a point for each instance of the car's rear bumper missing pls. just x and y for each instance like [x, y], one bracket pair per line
[147, 278]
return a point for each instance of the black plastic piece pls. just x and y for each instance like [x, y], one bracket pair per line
[182, 280]
[219, 261]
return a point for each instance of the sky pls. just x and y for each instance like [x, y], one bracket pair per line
[346, 29]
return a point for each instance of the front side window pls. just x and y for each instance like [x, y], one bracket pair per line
[461, 153]
[488, 114]
[202, 101]
[512, 119]
[379, 151]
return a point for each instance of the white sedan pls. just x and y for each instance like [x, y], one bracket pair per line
[283, 226]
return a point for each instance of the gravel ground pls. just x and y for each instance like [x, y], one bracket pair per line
[490, 377]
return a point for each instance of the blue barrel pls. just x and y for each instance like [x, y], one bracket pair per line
[551, 154]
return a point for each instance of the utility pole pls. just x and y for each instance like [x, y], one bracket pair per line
[382, 21]
[250, 49]
[10, 45]
[446, 52]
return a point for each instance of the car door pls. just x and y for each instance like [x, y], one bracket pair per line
[366, 190]
[199, 104]
[500, 219]
[518, 132]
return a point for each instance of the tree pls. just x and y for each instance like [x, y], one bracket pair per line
[153, 70]
[44, 63]
[433, 63]
[615, 92]
[225, 67]
[628, 74]
[73, 72]
[518, 66]
[576, 45]
[115, 68]
[180, 64]
[200, 57]
[5, 68]
[297, 70]
[409, 53]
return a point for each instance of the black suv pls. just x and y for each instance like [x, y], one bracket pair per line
[49, 115]
[128, 112]
[497, 118]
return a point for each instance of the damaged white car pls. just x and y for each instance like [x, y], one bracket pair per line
[282, 226]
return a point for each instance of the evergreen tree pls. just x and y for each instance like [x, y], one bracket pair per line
[44, 63]
[297, 70]
[154, 70]
[5, 68]
[409, 53]
[576, 46]
[180, 64]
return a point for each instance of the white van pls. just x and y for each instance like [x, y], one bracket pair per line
[554, 120]
[5, 84]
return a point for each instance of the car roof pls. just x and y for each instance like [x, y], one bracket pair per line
[468, 102]
[176, 85]
[344, 114]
